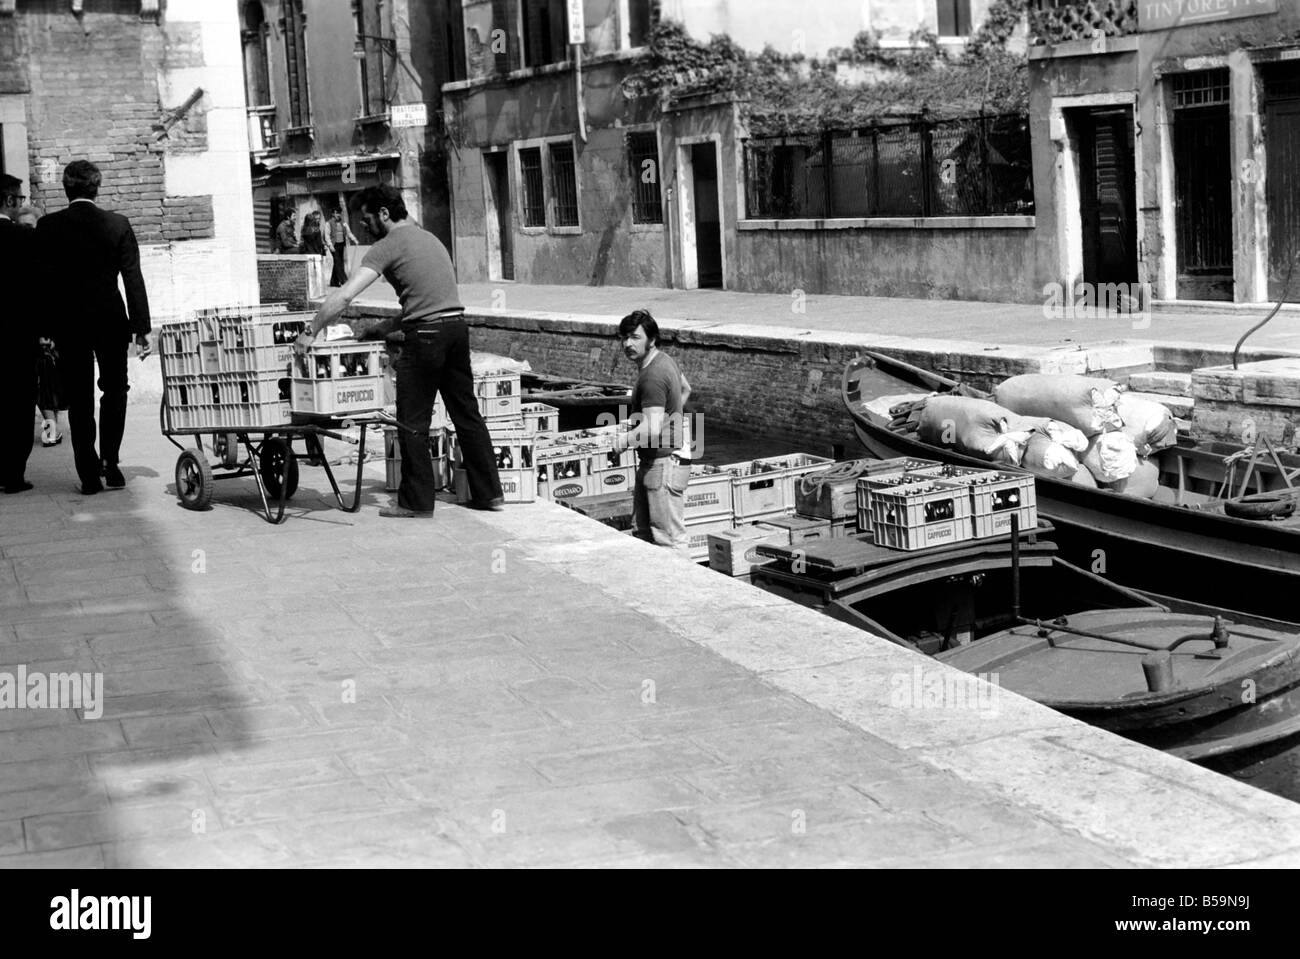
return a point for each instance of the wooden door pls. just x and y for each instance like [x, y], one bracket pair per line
[1108, 196]
[1282, 189]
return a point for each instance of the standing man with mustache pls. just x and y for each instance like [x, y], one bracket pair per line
[656, 432]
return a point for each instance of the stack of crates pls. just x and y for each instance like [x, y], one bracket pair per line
[994, 498]
[767, 487]
[499, 396]
[229, 368]
[709, 508]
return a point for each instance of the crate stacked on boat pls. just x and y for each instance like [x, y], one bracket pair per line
[994, 498]
[903, 473]
[767, 486]
[342, 378]
[832, 492]
[919, 515]
[732, 551]
[708, 494]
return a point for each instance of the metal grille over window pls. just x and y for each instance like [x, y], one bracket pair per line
[534, 199]
[643, 160]
[1204, 89]
[979, 166]
[564, 184]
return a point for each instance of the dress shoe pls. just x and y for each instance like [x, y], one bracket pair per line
[22, 486]
[90, 489]
[50, 435]
[491, 506]
[113, 476]
[401, 512]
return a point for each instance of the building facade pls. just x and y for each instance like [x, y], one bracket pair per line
[1167, 146]
[342, 95]
[154, 97]
[564, 172]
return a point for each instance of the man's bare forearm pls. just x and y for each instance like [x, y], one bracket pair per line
[331, 312]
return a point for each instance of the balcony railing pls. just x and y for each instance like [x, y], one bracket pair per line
[262, 138]
[1058, 21]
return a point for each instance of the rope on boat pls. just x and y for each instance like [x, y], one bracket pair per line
[813, 482]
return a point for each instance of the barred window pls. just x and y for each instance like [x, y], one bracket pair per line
[564, 184]
[534, 197]
[972, 167]
[643, 166]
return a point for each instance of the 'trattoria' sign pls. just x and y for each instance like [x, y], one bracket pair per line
[1167, 14]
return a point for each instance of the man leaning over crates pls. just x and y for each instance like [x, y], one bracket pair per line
[435, 353]
[657, 432]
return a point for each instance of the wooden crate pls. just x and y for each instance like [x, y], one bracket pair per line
[732, 551]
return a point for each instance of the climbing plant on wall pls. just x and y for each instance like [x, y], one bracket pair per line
[785, 94]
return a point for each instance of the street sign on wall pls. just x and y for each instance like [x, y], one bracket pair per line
[1167, 14]
[410, 115]
[577, 22]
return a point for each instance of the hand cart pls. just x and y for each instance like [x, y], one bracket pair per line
[253, 432]
[268, 455]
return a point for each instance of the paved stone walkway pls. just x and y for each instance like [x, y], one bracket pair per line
[522, 688]
[989, 324]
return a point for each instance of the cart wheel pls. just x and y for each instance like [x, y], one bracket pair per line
[194, 480]
[225, 446]
[277, 459]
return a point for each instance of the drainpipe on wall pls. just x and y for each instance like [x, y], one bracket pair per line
[577, 86]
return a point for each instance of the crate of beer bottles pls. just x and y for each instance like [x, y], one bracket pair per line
[920, 515]
[338, 379]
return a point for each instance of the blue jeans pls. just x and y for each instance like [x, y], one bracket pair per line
[659, 503]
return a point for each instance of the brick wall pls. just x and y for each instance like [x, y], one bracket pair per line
[97, 78]
[285, 279]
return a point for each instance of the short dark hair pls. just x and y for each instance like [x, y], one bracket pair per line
[643, 319]
[374, 198]
[81, 180]
[11, 185]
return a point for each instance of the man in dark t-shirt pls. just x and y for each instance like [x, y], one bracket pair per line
[435, 353]
[656, 432]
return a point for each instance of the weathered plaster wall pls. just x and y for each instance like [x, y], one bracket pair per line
[964, 264]
[610, 249]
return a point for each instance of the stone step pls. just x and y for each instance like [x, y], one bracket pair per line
[1170, 384]
[1180, 406]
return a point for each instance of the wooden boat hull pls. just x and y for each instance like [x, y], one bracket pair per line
[1157, 548]
[580, 403]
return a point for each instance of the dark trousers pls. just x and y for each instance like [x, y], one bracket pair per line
[17, 413]
[340, 274]
[437, 360]
[77, 357]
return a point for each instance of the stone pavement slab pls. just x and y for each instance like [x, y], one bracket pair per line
[512, 689]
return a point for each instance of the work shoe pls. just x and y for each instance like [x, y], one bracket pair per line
[22, 486]
[50, 435]
[492, 506]
[113, 476]
[90, 489]
[401, 512]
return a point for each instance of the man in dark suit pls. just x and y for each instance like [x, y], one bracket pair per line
[84, 249]
[18, 381]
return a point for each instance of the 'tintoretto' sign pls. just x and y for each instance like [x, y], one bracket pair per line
[1167, 14]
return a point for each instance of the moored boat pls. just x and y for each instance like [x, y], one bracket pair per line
[1182, 543]
[1207, 684]
[580, 402]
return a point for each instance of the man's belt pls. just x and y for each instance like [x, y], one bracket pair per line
[432, 322]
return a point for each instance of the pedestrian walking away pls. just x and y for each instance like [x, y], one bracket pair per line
[83, 250]
[657, 432]
[18, 385]
[435, 355]
[341, 238]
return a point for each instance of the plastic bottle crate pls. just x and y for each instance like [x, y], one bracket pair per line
[498, 395]
[563, 473]
[921, 515]
[996, 497]
[757, 489]
[343, 377]
[867, 485]
[540, 417]
[438, 447]
[697, 534]
[709, 494]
